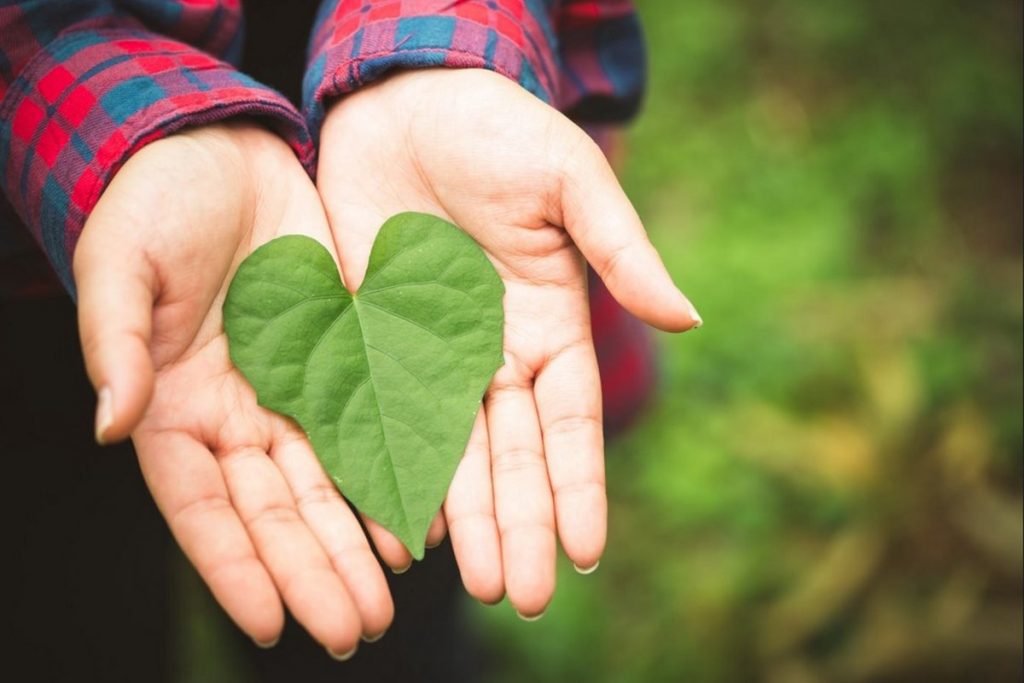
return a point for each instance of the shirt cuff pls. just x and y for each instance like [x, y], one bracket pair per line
[90, 99]
[357, 41]
[603, 60]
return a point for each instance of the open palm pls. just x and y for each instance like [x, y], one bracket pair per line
[239, 486]
[535, 192]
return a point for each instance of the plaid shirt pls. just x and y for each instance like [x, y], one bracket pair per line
[86, 83]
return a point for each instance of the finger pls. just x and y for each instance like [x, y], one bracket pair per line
[189, 490]
[313, 591]
[115, 310]
[469, 510]
[390, 549]
[437, 531]
[522, 494]
[338, 532]
[601, 220]
[568, 393]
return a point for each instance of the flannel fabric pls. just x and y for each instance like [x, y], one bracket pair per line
[570, 53]
[86, 83]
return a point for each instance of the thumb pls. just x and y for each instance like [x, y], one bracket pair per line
[116, 288]
[603, 224]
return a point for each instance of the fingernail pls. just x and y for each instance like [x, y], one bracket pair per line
[535, 617]
[344, 656]
[104, 414]
[431, 546]
[374, 639]
[586, 570]
[694, 315]
[401, 570]
[267, 645]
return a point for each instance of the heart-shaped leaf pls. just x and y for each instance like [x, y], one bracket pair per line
[386, 382]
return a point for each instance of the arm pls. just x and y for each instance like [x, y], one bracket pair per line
[83, 86]
[91, 98]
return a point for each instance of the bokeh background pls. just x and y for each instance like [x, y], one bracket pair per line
[829, 487]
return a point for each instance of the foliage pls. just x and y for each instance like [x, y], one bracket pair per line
[387, 382]
[829, 487]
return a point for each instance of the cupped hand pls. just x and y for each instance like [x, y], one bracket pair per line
[240, 487]
[534, 191]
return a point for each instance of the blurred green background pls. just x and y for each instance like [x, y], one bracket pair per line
[829, 487]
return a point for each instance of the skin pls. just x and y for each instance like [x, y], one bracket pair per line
[240, 487]
[539, 196]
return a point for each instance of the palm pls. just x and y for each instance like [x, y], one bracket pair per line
[474, 148]
[240, 487]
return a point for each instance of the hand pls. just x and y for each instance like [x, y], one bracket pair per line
[240, 487]
[531, 188]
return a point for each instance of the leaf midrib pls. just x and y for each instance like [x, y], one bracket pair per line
[380, 414]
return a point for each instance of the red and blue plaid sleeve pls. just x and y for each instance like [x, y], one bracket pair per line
[603, 66]
[84, 84]
[585, 54]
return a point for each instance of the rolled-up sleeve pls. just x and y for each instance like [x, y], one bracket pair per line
[84, 85]
[357, 41]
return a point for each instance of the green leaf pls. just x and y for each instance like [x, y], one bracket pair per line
[385, 382]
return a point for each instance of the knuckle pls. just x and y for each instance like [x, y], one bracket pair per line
[272, 515]
[201, 506]
[318, 494]
[589, 486]
[568, 424]
[613, 260]
[517, 460]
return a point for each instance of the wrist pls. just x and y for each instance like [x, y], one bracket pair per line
[393, 102]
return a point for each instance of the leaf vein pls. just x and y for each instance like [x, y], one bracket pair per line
[406, 368]
[412, 322]
[267, 323]
[421, 283]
